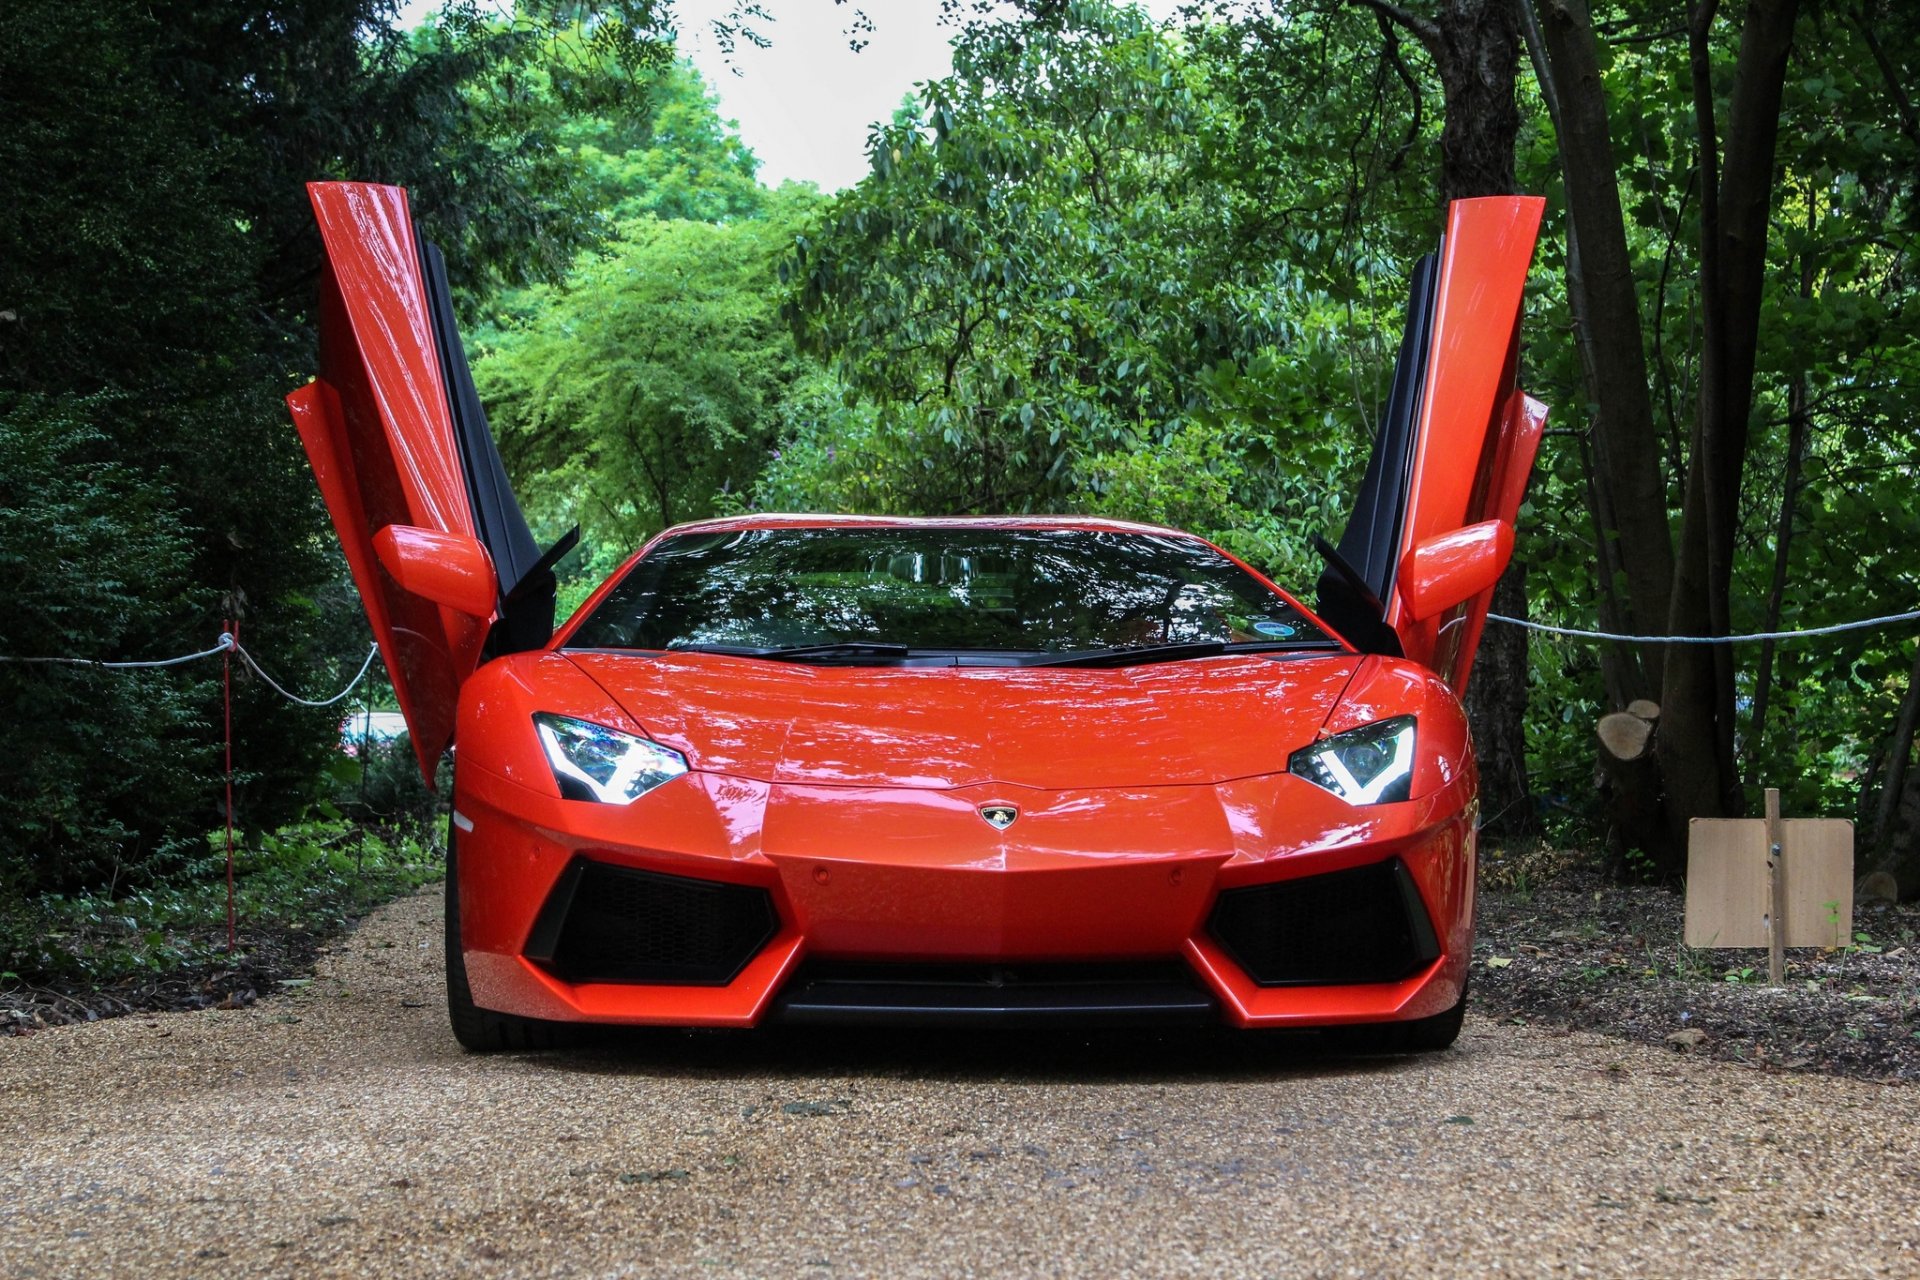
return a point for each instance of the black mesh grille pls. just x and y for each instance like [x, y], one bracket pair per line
[995, 995]
[1366, 924]
[614, 924]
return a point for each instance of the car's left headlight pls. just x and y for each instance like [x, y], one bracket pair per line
[593, 762]
[1369, 765]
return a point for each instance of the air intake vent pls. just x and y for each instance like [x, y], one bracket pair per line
[992, 995]
[1366, 924]
[613, 924]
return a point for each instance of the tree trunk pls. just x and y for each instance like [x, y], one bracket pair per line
[1799, 425]
[1896, 824]
[1797, 428]
[1478, 54]
[1497, 711]
[1687, 593]
[1899, 756]
[1631, 492]
[1696, 745]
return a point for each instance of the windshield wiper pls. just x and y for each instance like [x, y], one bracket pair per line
[1139, 654]
[802, 652]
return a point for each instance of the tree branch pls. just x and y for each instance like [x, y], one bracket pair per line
[1425, 30]
[1399, 64]
[1896, 87]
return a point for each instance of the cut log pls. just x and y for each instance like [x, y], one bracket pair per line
[1880, 886]
[1644, 708]
[1630, 786]
[1625, 736]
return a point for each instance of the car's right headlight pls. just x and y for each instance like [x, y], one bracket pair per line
[593, 762]
[1369, 765]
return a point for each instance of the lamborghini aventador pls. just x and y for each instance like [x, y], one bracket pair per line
[968, 772]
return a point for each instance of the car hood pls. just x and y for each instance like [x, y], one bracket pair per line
[1194, 722]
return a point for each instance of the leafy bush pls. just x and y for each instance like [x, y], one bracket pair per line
[308, 878]
[157, 259]
[95, 561]
[380, 783]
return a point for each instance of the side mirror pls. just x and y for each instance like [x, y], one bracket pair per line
[446, 568]
[1450, 568]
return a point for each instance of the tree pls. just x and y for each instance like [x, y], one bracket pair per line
[651, 383]
[1735, 180]
[1054, 291]
[1601, 284]
[157, 268]
[667, 156]
[1475, 47]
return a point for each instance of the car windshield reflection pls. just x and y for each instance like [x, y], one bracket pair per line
[878, 594]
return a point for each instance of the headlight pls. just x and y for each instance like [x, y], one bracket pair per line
[1369, 765]
[593, 762]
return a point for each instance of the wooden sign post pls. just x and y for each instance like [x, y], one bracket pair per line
[1770, 882]
[1776, 893]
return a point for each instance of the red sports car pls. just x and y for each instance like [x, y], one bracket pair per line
[832, 769]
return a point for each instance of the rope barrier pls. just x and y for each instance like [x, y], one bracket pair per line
[294, 697]
[229, 644]
[226, 642]
[1576, 633]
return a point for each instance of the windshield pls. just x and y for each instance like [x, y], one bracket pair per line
[933, 590]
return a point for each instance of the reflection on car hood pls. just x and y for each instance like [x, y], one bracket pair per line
[1193, 722]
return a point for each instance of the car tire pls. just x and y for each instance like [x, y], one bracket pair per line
[482, 1030]
[1422, 1035]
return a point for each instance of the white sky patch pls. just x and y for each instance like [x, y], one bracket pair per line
[807, 103]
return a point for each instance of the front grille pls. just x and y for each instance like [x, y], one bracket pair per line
[995, 995]
[1366, 924]
[604, 923]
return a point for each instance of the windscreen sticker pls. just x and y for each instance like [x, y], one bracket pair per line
[1279, 630]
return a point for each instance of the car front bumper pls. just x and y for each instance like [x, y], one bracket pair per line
[892, 888]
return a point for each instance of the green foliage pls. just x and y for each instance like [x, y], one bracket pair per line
[1837, 321]
[379, 784]
[1058, 289]
[670, 156]
[157, 259]
[654, 379]
[1106, 266]
[94, 558]
[308, 878]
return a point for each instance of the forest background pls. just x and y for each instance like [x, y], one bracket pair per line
[1139, 268]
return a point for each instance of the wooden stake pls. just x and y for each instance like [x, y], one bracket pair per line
[1777, 901]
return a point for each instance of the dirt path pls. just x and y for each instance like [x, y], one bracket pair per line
[337, 1130]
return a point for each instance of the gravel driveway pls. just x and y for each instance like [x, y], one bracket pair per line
[337, 1130]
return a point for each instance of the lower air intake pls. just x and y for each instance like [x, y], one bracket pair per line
[993, 995]
[1362, 925]
[604, 923]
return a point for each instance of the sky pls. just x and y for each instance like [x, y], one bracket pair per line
[806, 103]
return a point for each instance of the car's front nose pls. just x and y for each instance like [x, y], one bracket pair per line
[768, 882]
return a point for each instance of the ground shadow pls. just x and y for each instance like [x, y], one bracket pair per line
[1053, 1056]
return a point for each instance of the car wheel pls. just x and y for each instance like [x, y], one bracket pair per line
[482, 1030]
[1423, 1035]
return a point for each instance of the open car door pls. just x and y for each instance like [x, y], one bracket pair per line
[1432, 526]
[439, 549]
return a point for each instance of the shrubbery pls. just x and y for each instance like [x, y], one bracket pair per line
[310, 877]
[95, 562]
[157, 268]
